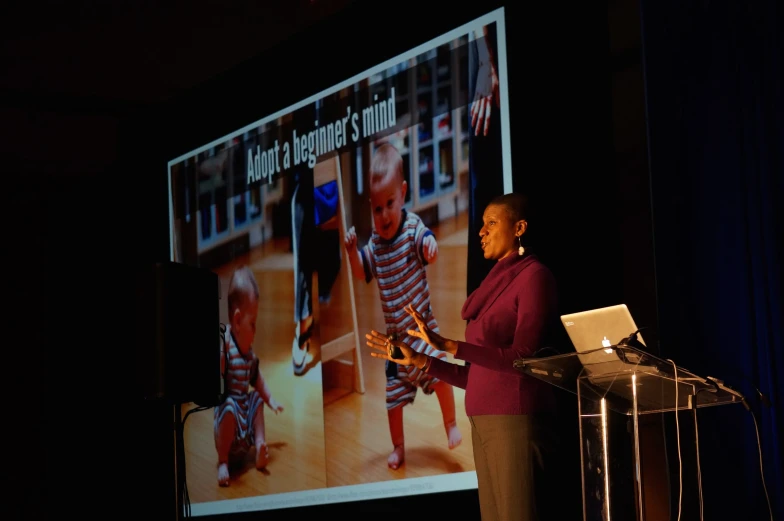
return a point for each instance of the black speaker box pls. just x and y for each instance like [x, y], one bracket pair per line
[178, 334]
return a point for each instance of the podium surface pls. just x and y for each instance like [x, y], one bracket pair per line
[629, 382]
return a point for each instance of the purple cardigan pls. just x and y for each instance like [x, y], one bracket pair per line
[508, 316]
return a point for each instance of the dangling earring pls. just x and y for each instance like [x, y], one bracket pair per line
[520, 250]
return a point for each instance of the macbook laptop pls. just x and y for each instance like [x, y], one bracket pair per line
[602, 328]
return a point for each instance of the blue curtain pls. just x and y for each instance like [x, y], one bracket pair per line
[715, 106]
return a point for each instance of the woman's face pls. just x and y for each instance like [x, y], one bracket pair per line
[499, 233]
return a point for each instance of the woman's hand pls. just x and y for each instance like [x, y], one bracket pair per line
[435, 340]
[385, 344]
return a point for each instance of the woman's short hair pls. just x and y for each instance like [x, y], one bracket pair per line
[516, 204]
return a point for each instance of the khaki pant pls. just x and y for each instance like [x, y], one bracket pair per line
[509, 454]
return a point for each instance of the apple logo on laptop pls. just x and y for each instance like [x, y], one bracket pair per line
[606, 343]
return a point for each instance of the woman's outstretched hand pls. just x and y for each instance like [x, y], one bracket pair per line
[385, 344]
[435, 340]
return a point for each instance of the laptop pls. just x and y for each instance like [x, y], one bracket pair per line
[603, 327]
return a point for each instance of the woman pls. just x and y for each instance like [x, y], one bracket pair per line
[508, 317]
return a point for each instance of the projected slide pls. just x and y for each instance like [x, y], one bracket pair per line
[318, 220]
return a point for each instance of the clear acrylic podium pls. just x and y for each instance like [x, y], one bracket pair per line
[621, 380]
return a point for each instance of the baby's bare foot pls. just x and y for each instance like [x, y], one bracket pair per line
[262, 456]
[396, 458]
[223, 474]
[453, 435]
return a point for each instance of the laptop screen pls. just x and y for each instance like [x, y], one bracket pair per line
[597, 328]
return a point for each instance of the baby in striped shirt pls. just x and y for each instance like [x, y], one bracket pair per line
[239, 421]
[396, 255]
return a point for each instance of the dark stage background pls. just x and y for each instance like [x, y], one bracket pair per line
[89, 181]
[715, 105]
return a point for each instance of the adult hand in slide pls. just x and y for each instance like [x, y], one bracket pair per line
[486, 97]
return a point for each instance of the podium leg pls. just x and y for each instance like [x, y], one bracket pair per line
[582, 444]
[587, 425]
[637, 460]
[594, 457]
[697, 447]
